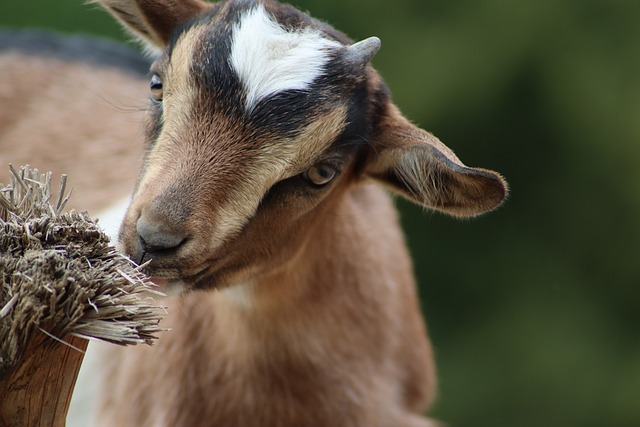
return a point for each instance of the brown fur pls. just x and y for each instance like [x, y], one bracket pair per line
[73, 118]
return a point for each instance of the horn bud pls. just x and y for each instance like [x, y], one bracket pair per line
[362, 52]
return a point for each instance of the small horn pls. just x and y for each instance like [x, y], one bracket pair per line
[362, 52]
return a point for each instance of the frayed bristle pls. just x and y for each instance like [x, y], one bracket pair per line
[59, 275]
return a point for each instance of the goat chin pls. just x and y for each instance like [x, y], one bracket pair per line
[169, 288]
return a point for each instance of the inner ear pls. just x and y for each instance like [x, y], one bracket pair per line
[415, 164]
[427, 177]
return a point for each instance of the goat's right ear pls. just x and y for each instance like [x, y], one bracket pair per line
[414, 163]
[153, 20]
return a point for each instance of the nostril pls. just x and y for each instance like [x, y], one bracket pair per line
[157, 237]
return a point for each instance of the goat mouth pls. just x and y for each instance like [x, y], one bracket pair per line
[201, 277]
[170, 283]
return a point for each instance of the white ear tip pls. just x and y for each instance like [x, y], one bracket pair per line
[362, 52]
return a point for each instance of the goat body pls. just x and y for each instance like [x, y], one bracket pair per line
[331, 339]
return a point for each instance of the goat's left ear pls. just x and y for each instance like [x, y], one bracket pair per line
[417, 165]
[153, 21]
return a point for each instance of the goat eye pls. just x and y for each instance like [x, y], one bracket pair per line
[156, 88]
[320, 174]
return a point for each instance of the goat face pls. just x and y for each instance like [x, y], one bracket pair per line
[260, 118]
[256, 117]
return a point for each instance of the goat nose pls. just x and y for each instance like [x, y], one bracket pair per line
[159, 238]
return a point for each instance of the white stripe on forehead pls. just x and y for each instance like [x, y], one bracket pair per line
[270, 59]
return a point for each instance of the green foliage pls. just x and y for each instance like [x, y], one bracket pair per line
[533, 309]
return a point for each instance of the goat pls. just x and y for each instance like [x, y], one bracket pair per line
[265, 132]
[260, 206]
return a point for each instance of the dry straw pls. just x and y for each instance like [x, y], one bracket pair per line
[61, 280]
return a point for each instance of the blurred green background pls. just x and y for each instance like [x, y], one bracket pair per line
[533, 309]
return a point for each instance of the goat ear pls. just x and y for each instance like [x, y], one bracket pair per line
[153, 20]
[414, 163]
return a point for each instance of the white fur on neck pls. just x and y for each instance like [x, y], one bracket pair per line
[240, 295]
[269, 59]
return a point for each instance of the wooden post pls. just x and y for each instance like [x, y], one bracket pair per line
[37, 392]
